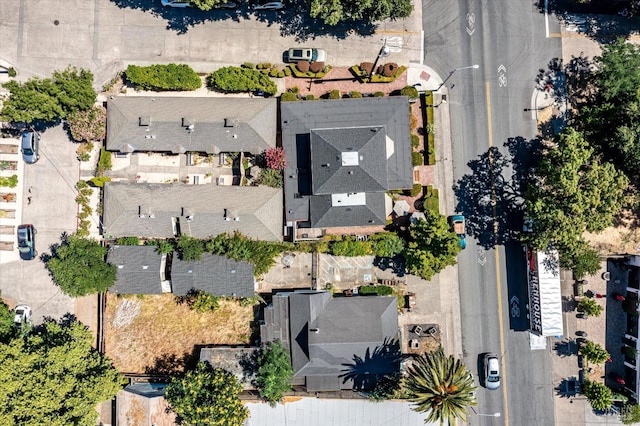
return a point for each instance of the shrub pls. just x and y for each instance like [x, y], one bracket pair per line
[417, 159]
[236, 80]
[88, 125]
[294, 89]
[273, 72]
[409, 91]
[589, 307]
[386, 244]
[12, 72]
[378, 94]
[380, 290]
[415, 141]
[303, 66]
[270, 177]
[280, 74]
[309, 98]
[316, 67]
[264, 66]
[128, 241]
[248, 65]
[593, 352]
[599, 395]
[334, 94]
[275, 158]
[390, 69]
[190, 248]
[287, 71]
[297, 73]
[274, 372]
[159, 77]
[366, 68]
[104, 162]
[10, 182]
[98, 181]
[350, 247]
[356, 94]
[288, 97]
[416, 189]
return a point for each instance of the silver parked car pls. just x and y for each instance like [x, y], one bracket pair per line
[30, 144]
[491, 371]
[306, 54]
[22, 315]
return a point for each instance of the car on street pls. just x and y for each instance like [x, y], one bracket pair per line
[306, 54]
[27, 242]
[185, 3]
[30, 146]
[22, 315]
[458, 225]
[491, 371]
[269, 5]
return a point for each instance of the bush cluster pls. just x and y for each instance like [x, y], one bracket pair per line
[159, 77]
[237, 80]
[289, 96]
[297, 69]
[334, 94]
[417, 159]
[104, 162]
[88, 125]
[380, 290]
[82, 199]
[363, 73]
[11, 181]
[409, 91]
[415, 141]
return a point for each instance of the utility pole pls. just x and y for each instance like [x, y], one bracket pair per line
[475, 67]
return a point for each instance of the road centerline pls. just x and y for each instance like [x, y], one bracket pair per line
[497, 259]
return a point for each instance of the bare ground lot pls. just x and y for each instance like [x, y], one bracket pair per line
[154, 334]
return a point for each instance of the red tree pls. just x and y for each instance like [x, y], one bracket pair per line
[275, 158]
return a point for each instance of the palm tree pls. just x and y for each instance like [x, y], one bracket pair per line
[442, 386]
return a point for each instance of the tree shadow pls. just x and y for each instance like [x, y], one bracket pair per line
[294, 20]
[566, 347]
[366, 371]
[600, 20]
[568, 388]
[172, 364]
[491, 197]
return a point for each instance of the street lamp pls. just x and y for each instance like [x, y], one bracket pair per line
[384, 51]
[475, 67]
[485, 415]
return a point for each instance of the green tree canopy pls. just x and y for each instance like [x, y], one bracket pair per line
[53, 376]
[387, 244]
[79, 268]
[590, 307]
[7, 326]
[206, 4]
[274, 372]
[190, 248]
[611, 116]
[573, 192]
[207, 396]
[332, 12]
[432, 246]
[49, 99]
[594, 352]
[441, 386]
[598, 394]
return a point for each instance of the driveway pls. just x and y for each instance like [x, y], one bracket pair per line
[52, 211]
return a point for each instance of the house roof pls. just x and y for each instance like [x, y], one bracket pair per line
[144, 403]
[326, 335]
[190, 124]
[140, 269]
[216, 275]
[158, 210]
[344, 150]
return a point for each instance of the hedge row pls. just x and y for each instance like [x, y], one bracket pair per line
[239, 79]
[309, 74]
[380, 290]
[169, 77]
[363, 75]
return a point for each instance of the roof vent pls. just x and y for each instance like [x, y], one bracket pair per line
[145, 267]
[235, 136]
[152, 216]
[190, 271]
[233, 271]
[144, 120]
[189, 218]
[230, 122]
[142, 216]
[120, 266]
[315, 330]
[188, 122]
[237, 218]
[350, 172]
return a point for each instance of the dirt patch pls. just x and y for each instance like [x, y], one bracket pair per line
[153, 333]
[615, 240]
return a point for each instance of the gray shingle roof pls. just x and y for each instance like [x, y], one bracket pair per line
[140, 269]
[316, 134]
[216, 275]
[197, 210]
[324, 334]
[161, 124]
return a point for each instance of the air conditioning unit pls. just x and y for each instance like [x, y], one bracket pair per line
[220, 181]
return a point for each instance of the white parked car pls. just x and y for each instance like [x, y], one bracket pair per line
[186, 3]
[491, 371]
[22, 315]
[306, 54]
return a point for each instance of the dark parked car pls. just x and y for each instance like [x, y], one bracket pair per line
[30, 144]
[27, 242]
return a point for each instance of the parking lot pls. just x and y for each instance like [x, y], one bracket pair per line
[52, 211]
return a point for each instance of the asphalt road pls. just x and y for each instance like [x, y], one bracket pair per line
[507, 40]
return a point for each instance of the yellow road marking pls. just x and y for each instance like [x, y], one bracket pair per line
[498, 285]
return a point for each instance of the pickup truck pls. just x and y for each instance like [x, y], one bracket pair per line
[457, 222]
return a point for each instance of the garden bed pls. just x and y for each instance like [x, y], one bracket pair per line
[7, 214]
[8, 165]
[8, 149]
[6, 246]
[8, 197]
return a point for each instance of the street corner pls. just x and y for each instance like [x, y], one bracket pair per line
[423, 77]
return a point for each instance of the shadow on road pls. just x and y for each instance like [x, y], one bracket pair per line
[294, 20]
[517, 289]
